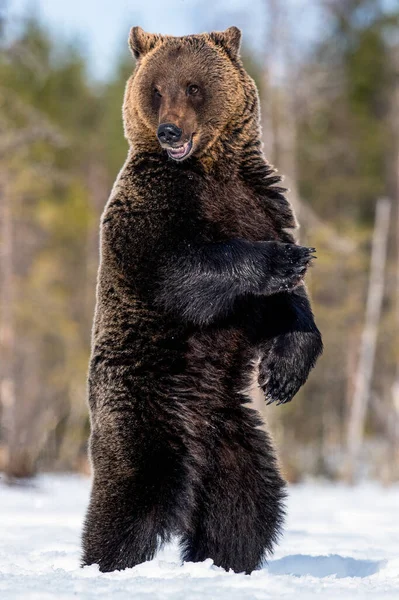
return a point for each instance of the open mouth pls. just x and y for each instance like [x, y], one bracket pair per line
[180, 152]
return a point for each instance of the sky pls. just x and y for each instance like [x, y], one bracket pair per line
[102, 26]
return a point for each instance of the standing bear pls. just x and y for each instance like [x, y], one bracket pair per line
[200, 289]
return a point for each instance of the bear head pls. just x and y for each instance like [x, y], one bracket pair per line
[189, 95]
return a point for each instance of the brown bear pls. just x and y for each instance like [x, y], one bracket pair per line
[199, 288]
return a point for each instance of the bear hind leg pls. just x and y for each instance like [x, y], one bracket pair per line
[134, 506]
[117, 536]
[241, 512]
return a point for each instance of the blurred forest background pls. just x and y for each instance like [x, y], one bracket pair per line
[330, 124]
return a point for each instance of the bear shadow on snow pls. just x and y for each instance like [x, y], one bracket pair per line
[301, 565]
[200, 290]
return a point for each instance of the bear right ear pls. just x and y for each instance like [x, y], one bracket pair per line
[230, 40]
[141, 42]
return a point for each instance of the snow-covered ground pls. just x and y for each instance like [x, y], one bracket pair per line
[339, 543]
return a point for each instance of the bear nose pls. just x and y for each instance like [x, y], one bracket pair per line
[168, 133]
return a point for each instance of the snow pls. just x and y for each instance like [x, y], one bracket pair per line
[339, 542]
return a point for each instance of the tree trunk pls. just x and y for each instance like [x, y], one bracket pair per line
[358, 411]
[7, 333]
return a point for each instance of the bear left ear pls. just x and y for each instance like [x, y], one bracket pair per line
[230, 40]
[141, 42]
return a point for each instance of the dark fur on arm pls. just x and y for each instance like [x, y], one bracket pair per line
[287, 359]
[201, 283]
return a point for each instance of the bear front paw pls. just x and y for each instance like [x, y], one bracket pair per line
[278, 382]
[288, 268]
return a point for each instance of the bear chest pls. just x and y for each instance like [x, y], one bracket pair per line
[235, 211]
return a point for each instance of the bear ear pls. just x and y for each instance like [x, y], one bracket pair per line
[230, 40]
[141, 42]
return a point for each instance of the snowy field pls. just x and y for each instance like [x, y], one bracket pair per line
[339, 543]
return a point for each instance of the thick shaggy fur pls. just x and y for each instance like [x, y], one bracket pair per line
[199, 278]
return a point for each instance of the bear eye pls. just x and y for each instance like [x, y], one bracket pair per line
[192, 90]
[157, 93]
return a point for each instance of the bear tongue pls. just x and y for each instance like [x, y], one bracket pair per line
[181, 151]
